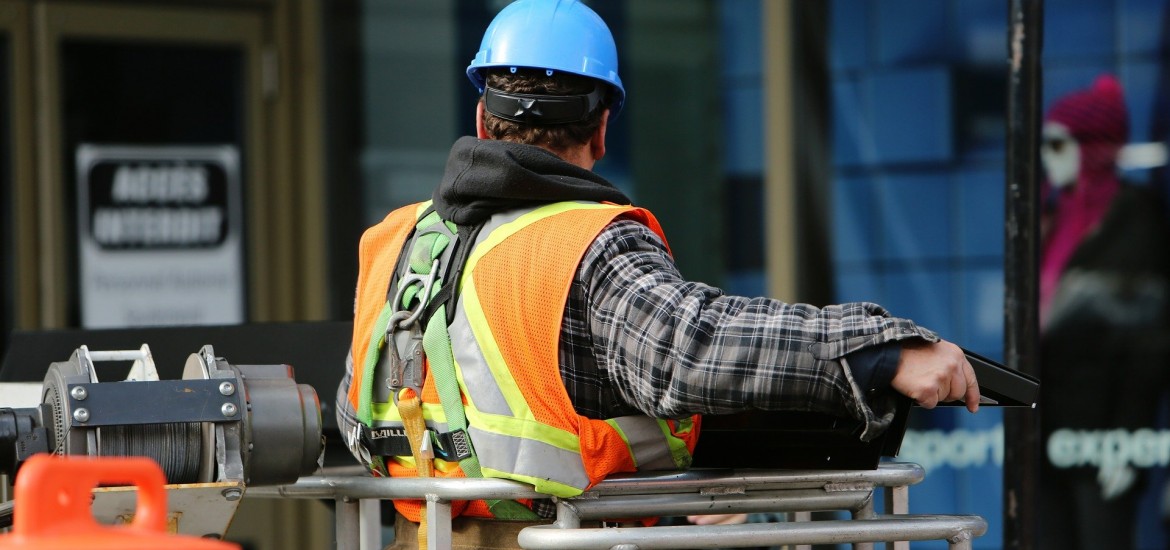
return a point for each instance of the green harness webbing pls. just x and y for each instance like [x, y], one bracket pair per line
[365, 412]
[437, 343]
[427, 246]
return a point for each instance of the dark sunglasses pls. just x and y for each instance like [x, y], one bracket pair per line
[1055, 144]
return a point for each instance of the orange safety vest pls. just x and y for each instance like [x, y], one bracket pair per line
[506, 336]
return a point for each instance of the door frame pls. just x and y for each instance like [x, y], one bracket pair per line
[15, 21]
[283, 146]
[57, 21]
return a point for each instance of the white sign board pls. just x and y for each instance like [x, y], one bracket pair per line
[159, 233]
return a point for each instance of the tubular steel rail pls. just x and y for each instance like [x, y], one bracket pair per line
[694, 492]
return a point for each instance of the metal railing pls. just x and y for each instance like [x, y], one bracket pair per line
[799, 492]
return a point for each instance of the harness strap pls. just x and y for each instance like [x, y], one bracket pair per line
[451, 446]
[449, 295]
[365, 412]
[437, 343]
[433, 298]
[410, 407]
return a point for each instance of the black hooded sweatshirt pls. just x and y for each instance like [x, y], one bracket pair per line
[484, 177]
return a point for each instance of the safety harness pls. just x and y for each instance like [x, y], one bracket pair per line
[410, 336]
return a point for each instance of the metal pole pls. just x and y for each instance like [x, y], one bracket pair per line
[799, 517]
[347, 513]
[1021, 260]
[897, 502]
[641, 495]
[956, 530]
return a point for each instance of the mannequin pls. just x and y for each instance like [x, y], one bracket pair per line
[1104, 313]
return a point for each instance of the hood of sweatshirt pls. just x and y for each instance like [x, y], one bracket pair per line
[484, 176]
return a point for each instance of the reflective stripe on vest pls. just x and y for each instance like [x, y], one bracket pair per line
[505, 338]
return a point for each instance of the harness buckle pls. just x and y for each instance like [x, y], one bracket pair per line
[408, 371]
[454, 446]
[354, 442]
[421, 299]
[427, 447]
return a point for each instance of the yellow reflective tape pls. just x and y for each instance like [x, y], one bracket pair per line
[491, 352]
[678, 448]
[541, 485]
[511, 228]
[524, 428]
[474, 310]
[630, 450]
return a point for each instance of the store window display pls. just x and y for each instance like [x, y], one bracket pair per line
[1105, 323]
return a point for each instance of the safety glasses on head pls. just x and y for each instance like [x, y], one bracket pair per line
[542, 109]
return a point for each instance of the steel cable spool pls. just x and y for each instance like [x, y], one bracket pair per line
[177, 447]
[220, 422]
[220, 425]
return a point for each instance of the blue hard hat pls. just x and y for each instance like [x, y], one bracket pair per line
[555, 35]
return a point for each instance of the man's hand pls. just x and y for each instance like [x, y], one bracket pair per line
[935, 373]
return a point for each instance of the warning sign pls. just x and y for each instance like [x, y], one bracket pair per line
[159, 235]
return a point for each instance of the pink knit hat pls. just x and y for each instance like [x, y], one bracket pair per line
[1096, 114]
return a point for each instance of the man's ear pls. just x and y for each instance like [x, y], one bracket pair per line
[480, 130]
[597, 142]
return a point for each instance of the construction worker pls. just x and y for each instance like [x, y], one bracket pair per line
[529, 324]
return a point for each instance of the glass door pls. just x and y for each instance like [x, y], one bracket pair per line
[152, 157]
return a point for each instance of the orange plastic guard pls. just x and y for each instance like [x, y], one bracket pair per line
[52, 507]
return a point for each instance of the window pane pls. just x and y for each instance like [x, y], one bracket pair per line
[917, 133]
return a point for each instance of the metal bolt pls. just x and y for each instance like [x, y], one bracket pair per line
[232, 494]
[228, 409]
[227, 388]
[79, 393]
[81, 415]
